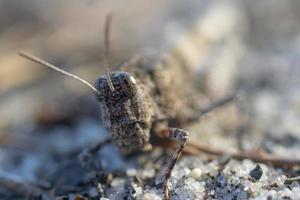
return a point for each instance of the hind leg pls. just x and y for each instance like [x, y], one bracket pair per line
[181, 137]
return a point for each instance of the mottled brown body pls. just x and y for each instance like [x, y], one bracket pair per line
[149, 97]
[126, 112]
[171, 87]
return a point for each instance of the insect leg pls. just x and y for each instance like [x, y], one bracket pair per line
[181, 137]
[86, 155]
[219, 103]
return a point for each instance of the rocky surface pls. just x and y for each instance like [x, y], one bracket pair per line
[249, 46]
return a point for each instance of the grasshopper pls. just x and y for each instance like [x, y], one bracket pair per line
[147, 98]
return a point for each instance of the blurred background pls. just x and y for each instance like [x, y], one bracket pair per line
[233, 45]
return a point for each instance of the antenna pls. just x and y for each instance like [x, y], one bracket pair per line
[46, 64]
[105, 52]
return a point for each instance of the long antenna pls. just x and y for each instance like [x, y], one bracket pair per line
[105, 52]
[46, 64]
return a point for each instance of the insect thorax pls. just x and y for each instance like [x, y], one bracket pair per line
[170, 85]
[126, 112]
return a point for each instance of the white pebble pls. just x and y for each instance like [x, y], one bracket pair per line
[256, 188]
[196, 173]
[118, 182]
[148, 173]
[151, 196]
[131, 172]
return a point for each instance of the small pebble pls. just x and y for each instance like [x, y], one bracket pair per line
[131, 172]
[93, 192]
[148, 173]
[212, 169]
[118, 182]
[151, 196]
[196, 173]
[256, 188]
[294, 184]
[256, 173]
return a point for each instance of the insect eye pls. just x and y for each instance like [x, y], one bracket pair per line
[132, 80]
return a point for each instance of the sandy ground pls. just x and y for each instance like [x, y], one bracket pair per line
[46, 119]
